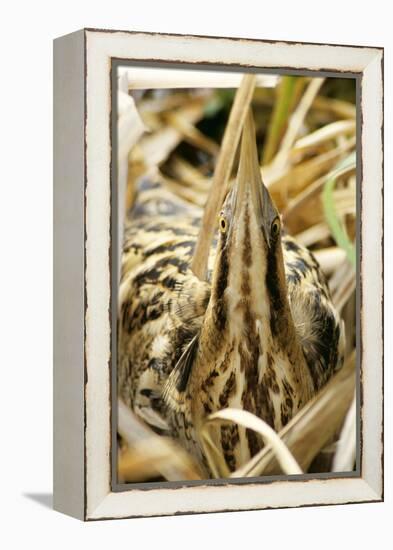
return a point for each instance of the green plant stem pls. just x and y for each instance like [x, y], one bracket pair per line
[338, 230]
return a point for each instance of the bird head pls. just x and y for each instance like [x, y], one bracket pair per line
[248, 282]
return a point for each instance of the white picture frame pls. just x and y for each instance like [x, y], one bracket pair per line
[83, 209]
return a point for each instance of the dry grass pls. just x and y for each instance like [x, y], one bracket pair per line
[306, 132]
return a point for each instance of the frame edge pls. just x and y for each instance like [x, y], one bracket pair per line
[68, 287]
[103, 508]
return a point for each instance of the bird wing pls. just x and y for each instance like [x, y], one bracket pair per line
[161, 302]
[317, 322]
[174, 391]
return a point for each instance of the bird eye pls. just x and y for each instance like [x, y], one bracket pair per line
[223, 224]
[275, 227]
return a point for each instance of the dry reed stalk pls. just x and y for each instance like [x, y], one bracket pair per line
[339, 276]
[326, 133]
[295, 122]
[330, 258]
[161, 454]
[188, 174]
[313, 234]
[337, 107]
[344, 458]
[222, 173]
[291, 182]
[249, 421]
[156, 147]
[345, 290]
[191, 134]
[186, 193]
[300, 201]
[158, 105]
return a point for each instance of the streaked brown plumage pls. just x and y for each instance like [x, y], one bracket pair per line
[261, 334]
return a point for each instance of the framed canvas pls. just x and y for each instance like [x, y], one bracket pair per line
[218, 274]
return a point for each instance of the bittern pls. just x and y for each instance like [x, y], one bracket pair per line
[261, 334]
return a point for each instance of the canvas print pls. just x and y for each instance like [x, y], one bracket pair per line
[235, 272]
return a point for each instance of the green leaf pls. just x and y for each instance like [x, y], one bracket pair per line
[338, 230]
[280, 115]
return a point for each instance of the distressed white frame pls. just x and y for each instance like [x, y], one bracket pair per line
[100, 48]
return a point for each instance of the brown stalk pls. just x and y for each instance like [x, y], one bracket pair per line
[222, 174]
[313, 189]
[158, 454]
[295, 122]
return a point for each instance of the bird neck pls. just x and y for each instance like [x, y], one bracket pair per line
[248, 332]
[250, 299]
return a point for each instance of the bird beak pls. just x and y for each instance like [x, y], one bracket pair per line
[249, 185]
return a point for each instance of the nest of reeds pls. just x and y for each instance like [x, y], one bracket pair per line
[306, 133]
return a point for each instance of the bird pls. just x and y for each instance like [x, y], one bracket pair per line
[260, 334]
